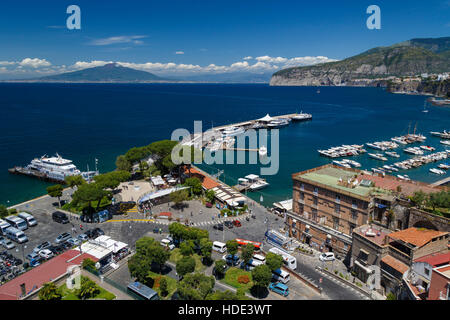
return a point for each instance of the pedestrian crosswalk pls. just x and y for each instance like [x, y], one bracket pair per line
[132, 210]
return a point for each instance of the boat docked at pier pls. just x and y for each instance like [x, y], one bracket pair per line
[444, 142]
[342, 163]
[232, 131]
[377, 156]
[443, 135]
[352, 163]
[414, 150]
[343, 151]
[444, 166]
[392, 154]
[427, 148]
[404, 177]
[251, 182]
[382, 145]
[437, 171]
[277, 123]
[53, 169]
[302, 116]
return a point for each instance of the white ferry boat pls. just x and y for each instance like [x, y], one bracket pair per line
[233, 131]
[302, 116]
[56, 168]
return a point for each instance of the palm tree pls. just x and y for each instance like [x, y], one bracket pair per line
[49, 291]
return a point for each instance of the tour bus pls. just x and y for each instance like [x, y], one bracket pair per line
[289, 261]
[16, 235]
[143, 291]
[28, 218]
[3, 226]
[17, 222]
[281, 275]
[243, 242]
[219, 246]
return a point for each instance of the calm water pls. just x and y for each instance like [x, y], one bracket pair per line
[84, 122]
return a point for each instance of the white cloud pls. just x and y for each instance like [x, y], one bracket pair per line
[263, 64]
[34, 63]
[179, 52]
[118, 39]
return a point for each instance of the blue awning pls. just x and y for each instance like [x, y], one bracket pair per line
[381, 206]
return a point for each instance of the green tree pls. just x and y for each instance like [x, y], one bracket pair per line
[56, 191]
[185, 265]
[139, 266]
[232, 246]
[178, 197]
[50, 291]
[123, 164]
[210, 194]
[88, 289]
[74, 181]
[224, 295]
[195, 286]
[195, 184]
[419, 198]
[391, 296]
[3, 211]
[163, 286]
[274, 261]
[159, 255]
[111, 180]
[247, 252]
[219, 266]
[88, 264]
[206, 248]
[261, 276]
[187, 248]
[87, 193]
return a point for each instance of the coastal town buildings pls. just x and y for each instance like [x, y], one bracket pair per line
[329, 202]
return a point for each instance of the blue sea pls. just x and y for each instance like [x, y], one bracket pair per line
[87, 121]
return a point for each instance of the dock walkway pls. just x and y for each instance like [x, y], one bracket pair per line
[442, 182]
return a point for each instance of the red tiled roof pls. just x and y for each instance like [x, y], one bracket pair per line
[166, 214]
[207, 182]
[435, 259]
[41, 274]
[417, 236]
[394, 263]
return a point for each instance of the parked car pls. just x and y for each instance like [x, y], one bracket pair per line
[231, 259]
[43, 245]
[218, 226]
[32, 255]
[228, 224]
[327, 256]
[98, 232]
[89, 233]
[6, 243]
[63, 237]
[237, 223]
[56, 249]
[167, 243]
[279, 288]
[60, 217]
[36, 262]
[46, 254]
[74, 241]
[83, 237]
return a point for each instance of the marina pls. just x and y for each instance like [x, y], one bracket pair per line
[343, 151]
[251, 182]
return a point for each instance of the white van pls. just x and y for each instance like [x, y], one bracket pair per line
[259, 258]
[3, 226]
[16, 235]
[28, 218]
[17, 222]
[219, 246]
[167, 243]
[281, 275]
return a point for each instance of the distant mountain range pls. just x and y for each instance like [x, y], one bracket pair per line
[408, 58]
[111, 72]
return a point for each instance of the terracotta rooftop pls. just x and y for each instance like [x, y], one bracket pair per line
[445, 270]
[436, 259]
[207, 182]
[41, 274]
[416, 236]
[373, 234]
[395, 264]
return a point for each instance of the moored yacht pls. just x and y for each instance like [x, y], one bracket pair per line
[302, 116]
[277, 123]
[377, 156]
[232, 131]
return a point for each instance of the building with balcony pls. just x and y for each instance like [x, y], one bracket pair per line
[329, 202]
[440, 284]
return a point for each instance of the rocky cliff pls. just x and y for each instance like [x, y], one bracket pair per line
[372, 67]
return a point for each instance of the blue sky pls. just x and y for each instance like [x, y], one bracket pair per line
[149, 34]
